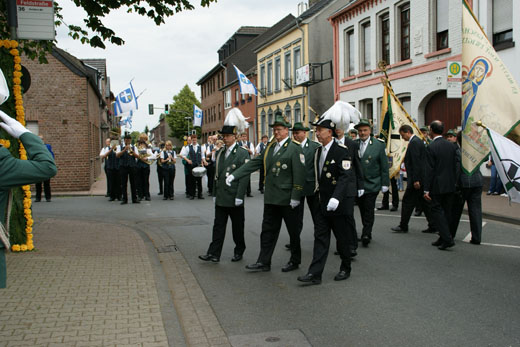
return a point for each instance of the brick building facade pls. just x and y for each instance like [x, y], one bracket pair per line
[66, 106]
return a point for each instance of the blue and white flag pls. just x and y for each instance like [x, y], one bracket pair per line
[126, 101]
[126, 120]
[197, 116]
[246, 87]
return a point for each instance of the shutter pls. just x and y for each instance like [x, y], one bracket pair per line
[443, 7]
[502, 15]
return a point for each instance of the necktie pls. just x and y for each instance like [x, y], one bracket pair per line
[276, 148]
[322, 158]
[227, 152]
[363, 148]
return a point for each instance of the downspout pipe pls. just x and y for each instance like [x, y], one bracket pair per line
[305, 89]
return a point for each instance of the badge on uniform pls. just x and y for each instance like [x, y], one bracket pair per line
[278, 163]
[345, 164]
[302, 158]
[284, 166]
[245, 161]
[332, 162]
[329, 175]
[233, 166]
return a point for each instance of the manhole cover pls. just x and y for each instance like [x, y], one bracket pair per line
[280, 338]
[272, 339]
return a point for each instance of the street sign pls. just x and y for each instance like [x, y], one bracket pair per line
[454, 82]
[35, 19]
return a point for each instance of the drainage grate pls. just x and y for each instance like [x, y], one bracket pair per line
[167, 249]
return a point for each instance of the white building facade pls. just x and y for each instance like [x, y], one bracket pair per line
[416, 39]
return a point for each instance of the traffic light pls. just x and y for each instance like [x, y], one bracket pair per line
[166, 108]
[150, 109]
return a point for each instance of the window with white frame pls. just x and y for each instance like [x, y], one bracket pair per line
[277, 73]
[269, 77]
[262, 79]
[385, 37]
[227, 99]
[365, 46]
[288, 113]
[287, 70]
[262, 122]
[442, 24]
[297, 112]
[503, 23]
[297, 61]
[350, 52]
[404, 31]
[237, 92]
[270, 121]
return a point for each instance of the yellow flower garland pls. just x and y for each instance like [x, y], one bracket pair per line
[20, 116]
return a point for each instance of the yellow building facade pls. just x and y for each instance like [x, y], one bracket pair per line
[277, 62]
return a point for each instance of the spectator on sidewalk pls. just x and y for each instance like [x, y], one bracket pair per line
[46, 183]
[39, 166]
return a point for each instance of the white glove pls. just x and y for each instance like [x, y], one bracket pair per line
[333, 204]
[295, 203]
[238, 202]
[12, 126]
[360, 193]
[384, 189]
[214, 199]
[229, 179]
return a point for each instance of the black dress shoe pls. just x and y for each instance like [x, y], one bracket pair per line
[393, 209]
[124, 202]
[236, 257]
[172, 198]
[37, 200]
[200, 197]
[111, 199]
[342, 275]
[258, 267]
[209, 257]
[288, 246]
[136, 202]
[444, 246]
[382, 208]
[261, 191]
[474, 242]
[48, 200]
[165, 198]
[365, 240]
[147, 198]
[249, 196]
[290, 266]
[336, 253]
[353, 253]
[399, 229]
[437, 243]
[191, 197]
[428, 231]
[309, 278]
[417, 213]
[160, 193]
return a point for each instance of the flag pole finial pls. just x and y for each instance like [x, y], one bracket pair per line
[480, 124]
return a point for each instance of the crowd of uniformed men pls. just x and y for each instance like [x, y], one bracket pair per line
[331, 176]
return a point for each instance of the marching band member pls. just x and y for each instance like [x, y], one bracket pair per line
[160, 176]
[193, 156]
[168, 158]
[108, 153]
[143, 168]
[127, 155]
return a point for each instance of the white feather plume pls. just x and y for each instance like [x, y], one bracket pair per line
[342, 113]
[236, 118]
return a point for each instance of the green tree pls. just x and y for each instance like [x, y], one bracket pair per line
[182, 107]
[135, 136]
[146, 130]
[97, 12]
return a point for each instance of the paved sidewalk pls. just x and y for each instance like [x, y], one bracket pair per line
[88, 284]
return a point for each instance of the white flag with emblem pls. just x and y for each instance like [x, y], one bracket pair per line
[506, 156]
[246, 87]
[126, 101]
[197, 116]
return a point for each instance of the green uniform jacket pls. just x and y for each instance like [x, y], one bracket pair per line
[309, 149]
[284, 172]
[15, 172]
[226, 195]
[375, 165]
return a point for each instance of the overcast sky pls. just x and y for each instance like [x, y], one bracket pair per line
[162, 59]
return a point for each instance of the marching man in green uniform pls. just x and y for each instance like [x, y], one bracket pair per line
[15, 172]
[374, 163]
[309, 147]
[229, 200]
[284, 167]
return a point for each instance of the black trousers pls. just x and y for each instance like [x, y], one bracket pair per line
[114, 178]
[143, 182]
[261, 181]
[128, 173]
[441, 215]
[211, 177]
[323, 226]
[350, 223]
[271, 224]
[169, 177]
[194, 183]
[160, 178]
[473, 197]
[412, 198]
[108, 180]
[46, 188]
[395, 195]
[236, 214]
[367, 205]
[311, 202]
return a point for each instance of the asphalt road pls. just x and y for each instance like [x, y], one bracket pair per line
[402, 291]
